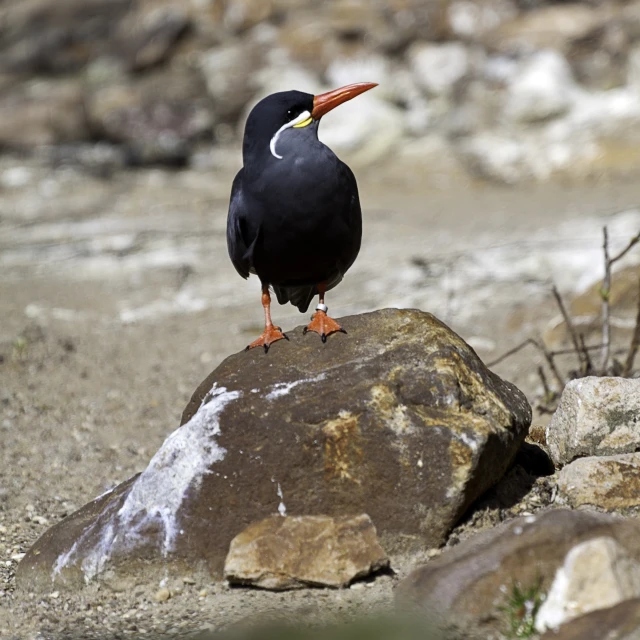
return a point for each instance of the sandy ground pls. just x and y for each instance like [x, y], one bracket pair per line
[117, 298]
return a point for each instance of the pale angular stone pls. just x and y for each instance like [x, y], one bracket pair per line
[609, 482]
[596, 574]
[596, 416]
[544, 88]
[296, 551]
[437, 67]
[229, 73]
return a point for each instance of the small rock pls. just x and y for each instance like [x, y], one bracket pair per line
[596, 574]
[162, 595]
[147, 35]
[188, 580]
[229, 73]
[544, 88]
[296, 551]
[495, 156]
[241, 15]
[599, 58]
[40, 36]
[42, 112]
[155, 119]
[551, 27]
[437, 67]
[608, 482]
[596, 416]
[472, 20]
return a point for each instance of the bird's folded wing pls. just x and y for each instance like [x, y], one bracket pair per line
[239, 245]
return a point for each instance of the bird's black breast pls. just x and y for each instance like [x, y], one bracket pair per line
[298, 221]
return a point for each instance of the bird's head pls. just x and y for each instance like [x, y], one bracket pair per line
[291, 118]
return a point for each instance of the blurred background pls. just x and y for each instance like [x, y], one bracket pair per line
[503, 136]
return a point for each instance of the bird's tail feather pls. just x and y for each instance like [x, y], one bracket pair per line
[299, 297]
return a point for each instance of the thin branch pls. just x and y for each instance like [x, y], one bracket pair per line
[511, 352]
[554, 353]
[583, 356]
[634, 241]
[545, 385]
[635, 343]
[589, 368]
[604, 295]
[552, 365]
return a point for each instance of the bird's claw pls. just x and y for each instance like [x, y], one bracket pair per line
[323, 325]
[270, 335]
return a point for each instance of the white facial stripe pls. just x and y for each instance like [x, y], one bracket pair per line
[305, 115]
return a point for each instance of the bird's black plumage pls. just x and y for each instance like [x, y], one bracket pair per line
[294, 216]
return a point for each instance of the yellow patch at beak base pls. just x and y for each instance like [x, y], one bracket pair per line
[304, 123]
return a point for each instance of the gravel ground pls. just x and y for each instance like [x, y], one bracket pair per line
[117, 299]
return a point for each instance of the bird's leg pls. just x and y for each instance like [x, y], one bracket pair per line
[270, 334]
[321, 323]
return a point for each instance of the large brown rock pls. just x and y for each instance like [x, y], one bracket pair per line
[291, 552]
[472, 583]
[398, 419]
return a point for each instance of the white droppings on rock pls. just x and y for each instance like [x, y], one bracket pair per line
[282, 509]
[156, 496]
[469, 440]
[283, 388]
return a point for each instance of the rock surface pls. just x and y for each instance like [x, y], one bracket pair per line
[596, 416]
[621, 622]
[611, 483]
[596, 574]
[470, 584]
[399, 419]
[292, 552]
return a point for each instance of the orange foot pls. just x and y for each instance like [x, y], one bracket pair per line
[270, 335]
[323, 325]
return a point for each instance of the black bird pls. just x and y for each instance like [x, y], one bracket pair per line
[294, 216]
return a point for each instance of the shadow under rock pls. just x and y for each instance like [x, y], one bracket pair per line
[522, 489]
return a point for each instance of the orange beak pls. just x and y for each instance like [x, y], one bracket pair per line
[324, 102]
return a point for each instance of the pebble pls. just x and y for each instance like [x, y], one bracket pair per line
[162, 595]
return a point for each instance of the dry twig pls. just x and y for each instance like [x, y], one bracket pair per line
[605, 292]
[635, 343]
[578, 345]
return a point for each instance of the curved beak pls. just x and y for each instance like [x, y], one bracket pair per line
[324, 102]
